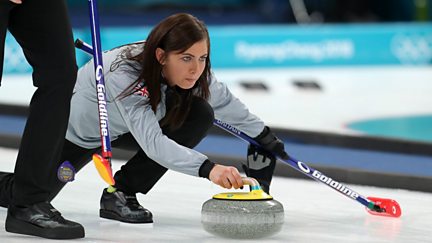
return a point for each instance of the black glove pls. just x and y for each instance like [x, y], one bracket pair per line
[271, 143]
[260, 165]
[261, 162]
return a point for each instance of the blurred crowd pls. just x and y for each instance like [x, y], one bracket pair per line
[260, 11]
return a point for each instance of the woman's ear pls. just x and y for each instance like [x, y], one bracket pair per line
[160, 55]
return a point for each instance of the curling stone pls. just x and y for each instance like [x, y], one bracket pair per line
[243, 215]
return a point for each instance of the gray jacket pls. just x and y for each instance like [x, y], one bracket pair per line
[133, 114]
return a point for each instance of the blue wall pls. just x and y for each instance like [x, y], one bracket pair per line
[283, 45]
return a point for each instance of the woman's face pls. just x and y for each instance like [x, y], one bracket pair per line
[183, 69]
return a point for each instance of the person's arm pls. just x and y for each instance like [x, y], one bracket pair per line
[165, 151]
[260, 162]
[16, 1]
[231, 110]
[143, 124]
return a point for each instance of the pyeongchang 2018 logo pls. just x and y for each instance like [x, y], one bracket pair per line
[294, 50]
[412, 49]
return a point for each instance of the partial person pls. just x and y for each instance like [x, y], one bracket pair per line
[43, 31]
[162, 101]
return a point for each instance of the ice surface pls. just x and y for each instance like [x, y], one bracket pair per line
[313, 212]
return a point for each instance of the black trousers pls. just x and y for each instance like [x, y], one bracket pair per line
[140, 173]
[42, 29]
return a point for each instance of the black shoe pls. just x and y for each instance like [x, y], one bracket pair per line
[42, 220]
[124, 208]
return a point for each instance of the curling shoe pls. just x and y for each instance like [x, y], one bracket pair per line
[42, 220]
[122, 207]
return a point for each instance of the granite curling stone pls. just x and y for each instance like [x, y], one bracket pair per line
[243, 215]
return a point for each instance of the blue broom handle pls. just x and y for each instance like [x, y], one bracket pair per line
[301, 167]
[100, 81]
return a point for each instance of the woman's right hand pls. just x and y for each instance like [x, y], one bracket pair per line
[226, 176]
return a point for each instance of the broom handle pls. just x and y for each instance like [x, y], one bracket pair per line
[100, 81]
[305, 169]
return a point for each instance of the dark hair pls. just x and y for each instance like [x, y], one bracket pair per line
[176, 33]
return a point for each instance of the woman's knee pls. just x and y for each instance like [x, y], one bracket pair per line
[203, 113]
[195, 128]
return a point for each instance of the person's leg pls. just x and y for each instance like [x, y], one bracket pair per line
[43, 31]
[76, 155]
[42, 219]
[5, 8]
[57, 227]
[6, 183]
[122, 205]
